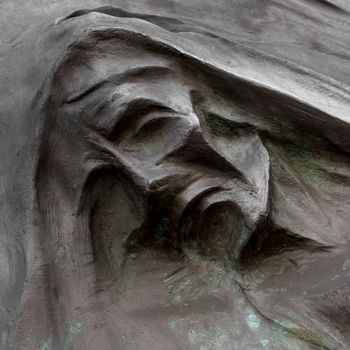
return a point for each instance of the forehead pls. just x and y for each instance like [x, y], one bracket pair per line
[128, 69]
[268, 107]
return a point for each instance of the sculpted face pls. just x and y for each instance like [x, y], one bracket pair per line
[135, 118]
[182, 205]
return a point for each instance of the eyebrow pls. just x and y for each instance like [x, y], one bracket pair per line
[119, 78]
[136, 109]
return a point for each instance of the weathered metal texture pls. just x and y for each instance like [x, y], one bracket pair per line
[174, 175]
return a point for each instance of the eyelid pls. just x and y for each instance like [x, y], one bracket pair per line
[130, 115]
[155, 120]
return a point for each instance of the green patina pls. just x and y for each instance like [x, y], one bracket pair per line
[253, 320]
[46, 345]
[264, 342]
[206, 335]
[73, 329]
[313, 168]
[228, 146]
[224, 127]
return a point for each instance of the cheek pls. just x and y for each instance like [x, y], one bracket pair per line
[116, 211]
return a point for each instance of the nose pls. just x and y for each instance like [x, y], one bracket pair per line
[200, 156]
[175, 198]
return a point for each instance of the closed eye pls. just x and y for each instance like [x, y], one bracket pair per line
[129, 116]
[155, 126]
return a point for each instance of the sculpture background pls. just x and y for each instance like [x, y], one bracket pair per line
[134, 136]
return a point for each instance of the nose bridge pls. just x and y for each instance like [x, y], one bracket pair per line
[193, 120]
[197, 153]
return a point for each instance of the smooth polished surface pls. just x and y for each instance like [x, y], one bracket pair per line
[175, 175]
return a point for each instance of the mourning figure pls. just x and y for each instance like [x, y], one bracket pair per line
[166, 187]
